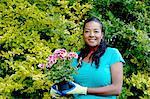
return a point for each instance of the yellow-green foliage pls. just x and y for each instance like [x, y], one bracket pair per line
[141, 81]
[29, 31]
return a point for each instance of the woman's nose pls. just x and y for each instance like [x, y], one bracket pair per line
[91, 33]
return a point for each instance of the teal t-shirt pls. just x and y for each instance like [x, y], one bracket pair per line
[88, 76]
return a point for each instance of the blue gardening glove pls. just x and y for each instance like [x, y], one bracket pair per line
[75, 89]
[55, 92]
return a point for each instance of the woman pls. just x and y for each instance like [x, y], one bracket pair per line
[100, 73]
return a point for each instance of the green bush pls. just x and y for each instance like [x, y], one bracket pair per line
[30, 30]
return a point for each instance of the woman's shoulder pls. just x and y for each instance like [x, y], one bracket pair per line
[111, 51]
[111, 48]
[115, 55]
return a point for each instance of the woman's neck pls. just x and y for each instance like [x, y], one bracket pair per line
[93, 49]
[88, 58]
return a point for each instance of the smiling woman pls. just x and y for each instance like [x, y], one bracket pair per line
[94, 39]
[100, 68]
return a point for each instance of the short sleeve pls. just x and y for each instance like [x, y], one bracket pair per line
[116, 56]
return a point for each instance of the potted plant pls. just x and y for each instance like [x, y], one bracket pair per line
[58, 68]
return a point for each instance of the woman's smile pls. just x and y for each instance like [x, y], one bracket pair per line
[92, 40]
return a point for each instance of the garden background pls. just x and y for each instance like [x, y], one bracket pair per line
[30, 30]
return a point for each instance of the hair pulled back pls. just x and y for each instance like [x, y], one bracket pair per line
[101, 48]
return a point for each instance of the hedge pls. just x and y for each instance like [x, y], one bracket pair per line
[30, 30]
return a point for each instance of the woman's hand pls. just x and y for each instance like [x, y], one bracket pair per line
[55, 92]
[76, 89]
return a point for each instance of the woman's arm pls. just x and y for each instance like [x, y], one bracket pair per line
[115, 87]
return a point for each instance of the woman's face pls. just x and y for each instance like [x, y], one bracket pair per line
[92, 34]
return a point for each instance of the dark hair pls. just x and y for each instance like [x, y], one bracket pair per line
[101, 49]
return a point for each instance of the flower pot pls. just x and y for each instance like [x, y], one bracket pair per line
[64, 85]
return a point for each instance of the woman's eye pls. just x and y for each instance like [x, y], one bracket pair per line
[96, 31]
[86, 31]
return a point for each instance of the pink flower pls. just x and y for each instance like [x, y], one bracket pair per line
[48, 65]
[41, 66]
[60, 53]
[72, 55]
[52, 59]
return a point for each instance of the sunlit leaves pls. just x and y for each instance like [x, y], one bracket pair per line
[29, 32]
